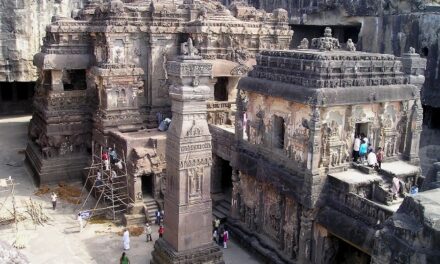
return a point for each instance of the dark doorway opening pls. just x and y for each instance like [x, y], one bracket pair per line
[348, 254]
[431, 117]
[342, 33]
[221, 89]
[74, 80]
[278, 125]
[147, 186]
[16, 97]
[362, 128]
[226, 181]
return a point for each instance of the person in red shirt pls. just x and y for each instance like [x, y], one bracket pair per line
[161, 230]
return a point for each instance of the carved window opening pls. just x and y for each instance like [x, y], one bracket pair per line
[342, 33]
[430, 116]
[279, 132]
[74, 80]
[221, 89]
[47, 77]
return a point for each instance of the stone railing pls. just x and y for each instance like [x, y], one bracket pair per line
[220, 112]
[359, 208]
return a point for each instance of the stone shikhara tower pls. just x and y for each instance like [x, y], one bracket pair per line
[188, 208]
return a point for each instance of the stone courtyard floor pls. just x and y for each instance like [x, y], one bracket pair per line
[59, 241]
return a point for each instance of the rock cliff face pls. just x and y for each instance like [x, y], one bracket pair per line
[22, 27]
[412, 234]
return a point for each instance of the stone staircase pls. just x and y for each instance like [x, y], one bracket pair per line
[221, 209]
[150, 208]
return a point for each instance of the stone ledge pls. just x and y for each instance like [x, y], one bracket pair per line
[165, 254]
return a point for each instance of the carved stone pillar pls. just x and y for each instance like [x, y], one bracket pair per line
[415, 129]
[236, 200]
[313, 156]
[187, 202]
[305, 236]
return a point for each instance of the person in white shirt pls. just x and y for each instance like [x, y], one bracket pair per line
[372, 159]
[356, 146]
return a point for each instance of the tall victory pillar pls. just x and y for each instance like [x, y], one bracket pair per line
[188, 208]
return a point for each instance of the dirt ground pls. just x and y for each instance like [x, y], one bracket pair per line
[59, 240]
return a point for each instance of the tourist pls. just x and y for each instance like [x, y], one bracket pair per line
[356, 146]
[54, 197]
[124, 259]
[379, 156]
[225, 238]
[215, 236]
[221, 233]
[370, 148]
[414, 190]
[148, 232]
[216, 223]
[126, 239]
[157, 217]
[395, 187]
[363, 151]
[161, 231]
[113, 156]
[371, 159]
[104, 157]
[364, 138]
[80, 222]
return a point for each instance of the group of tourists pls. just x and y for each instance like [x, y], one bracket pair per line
[220, 234]
[364, 153]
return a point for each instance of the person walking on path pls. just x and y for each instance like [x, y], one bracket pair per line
[379, 156]
[124, 259]
[80, 222]
[363, 151]
[225, 238]
[161, 231]
[126, 239]
[148, 232]
[54, 197]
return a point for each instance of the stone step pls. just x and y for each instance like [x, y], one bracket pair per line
[223, 210]
[134, 219]
[218, 214]
[225, 204]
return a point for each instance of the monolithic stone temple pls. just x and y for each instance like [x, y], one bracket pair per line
[262, 128]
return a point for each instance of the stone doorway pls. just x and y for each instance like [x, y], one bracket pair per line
[221, 89]
[147, 186]
[362, 128]
[221, 187]
[348, 254]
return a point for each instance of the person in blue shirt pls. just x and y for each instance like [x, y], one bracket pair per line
[363, 151]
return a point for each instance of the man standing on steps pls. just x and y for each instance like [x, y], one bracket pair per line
[54, 200]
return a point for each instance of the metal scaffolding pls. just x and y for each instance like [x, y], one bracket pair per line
[106, 181]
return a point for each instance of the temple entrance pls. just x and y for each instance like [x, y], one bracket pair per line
[16, 97]
[221, 89]
[348, 254]
[362, 128]
[147, 186]
[221, 187]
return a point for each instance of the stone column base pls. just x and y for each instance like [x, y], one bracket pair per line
[164, 253]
